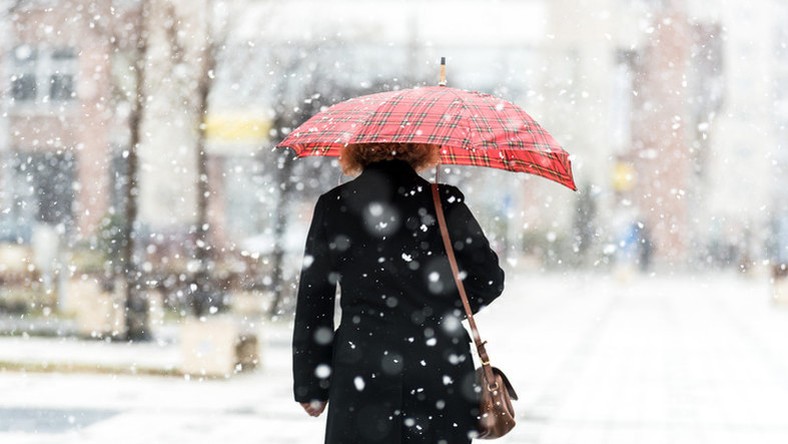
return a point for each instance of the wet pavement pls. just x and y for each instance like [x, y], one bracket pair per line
[594, 358]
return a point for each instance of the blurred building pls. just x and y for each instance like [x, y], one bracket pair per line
[744, 145]
[778, 235]
[670, 108]
[665, 151]
[68, 91]
[58, 143]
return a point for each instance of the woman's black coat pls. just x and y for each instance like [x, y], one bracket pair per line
[398, 368]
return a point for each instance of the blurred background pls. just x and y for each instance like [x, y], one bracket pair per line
[148, 227]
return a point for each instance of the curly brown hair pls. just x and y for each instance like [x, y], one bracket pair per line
[355, 157]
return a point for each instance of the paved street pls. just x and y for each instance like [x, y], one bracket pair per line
[595, 359]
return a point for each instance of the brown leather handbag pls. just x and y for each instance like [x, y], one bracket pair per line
[496, 414]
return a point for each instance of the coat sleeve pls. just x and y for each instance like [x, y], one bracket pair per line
[482, 276]
[314, 318]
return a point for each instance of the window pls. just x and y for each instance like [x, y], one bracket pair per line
[51, 176]
[24, 82]
[42, 75]
[61, 79]
[623, 80]
[119, 179]
[39, 189]
[43, 187]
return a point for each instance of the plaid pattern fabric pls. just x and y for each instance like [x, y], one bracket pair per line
[471, 128]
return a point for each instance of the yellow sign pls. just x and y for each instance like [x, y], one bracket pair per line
[623, 177]
[237, 128]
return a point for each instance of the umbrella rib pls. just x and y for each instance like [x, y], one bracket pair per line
[462, 115]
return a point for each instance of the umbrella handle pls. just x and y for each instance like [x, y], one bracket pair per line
[442, 81]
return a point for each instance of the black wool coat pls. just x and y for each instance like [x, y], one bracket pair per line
[398, 368]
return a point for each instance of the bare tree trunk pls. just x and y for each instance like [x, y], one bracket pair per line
[136, 303]
[283, 173]
[285, 118]
[7, 39]
[206, 295]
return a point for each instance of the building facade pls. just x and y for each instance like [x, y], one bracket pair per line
[674, 109]
[56, 93]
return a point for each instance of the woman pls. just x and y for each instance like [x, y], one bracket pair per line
[398, 368]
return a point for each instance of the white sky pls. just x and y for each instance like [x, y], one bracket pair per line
[461, 22]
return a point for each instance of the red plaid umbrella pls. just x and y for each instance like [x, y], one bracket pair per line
[471, 128]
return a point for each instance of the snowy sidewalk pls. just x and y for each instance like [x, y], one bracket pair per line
[162, 356]
[595, 360]
[654, 360]
[72, 354]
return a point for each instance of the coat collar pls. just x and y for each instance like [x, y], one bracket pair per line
[390, 171]
[394, 167]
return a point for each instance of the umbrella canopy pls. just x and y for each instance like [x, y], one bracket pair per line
[471, 128]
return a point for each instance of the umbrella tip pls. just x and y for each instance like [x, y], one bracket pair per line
[442, 81]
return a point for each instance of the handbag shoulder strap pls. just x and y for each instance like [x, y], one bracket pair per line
[485, 359]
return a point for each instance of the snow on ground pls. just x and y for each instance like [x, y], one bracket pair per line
[594, 358]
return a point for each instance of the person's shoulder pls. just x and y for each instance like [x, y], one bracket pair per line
[335, 194]
[450, 194]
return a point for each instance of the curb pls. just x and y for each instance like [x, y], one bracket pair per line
[64, 367]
